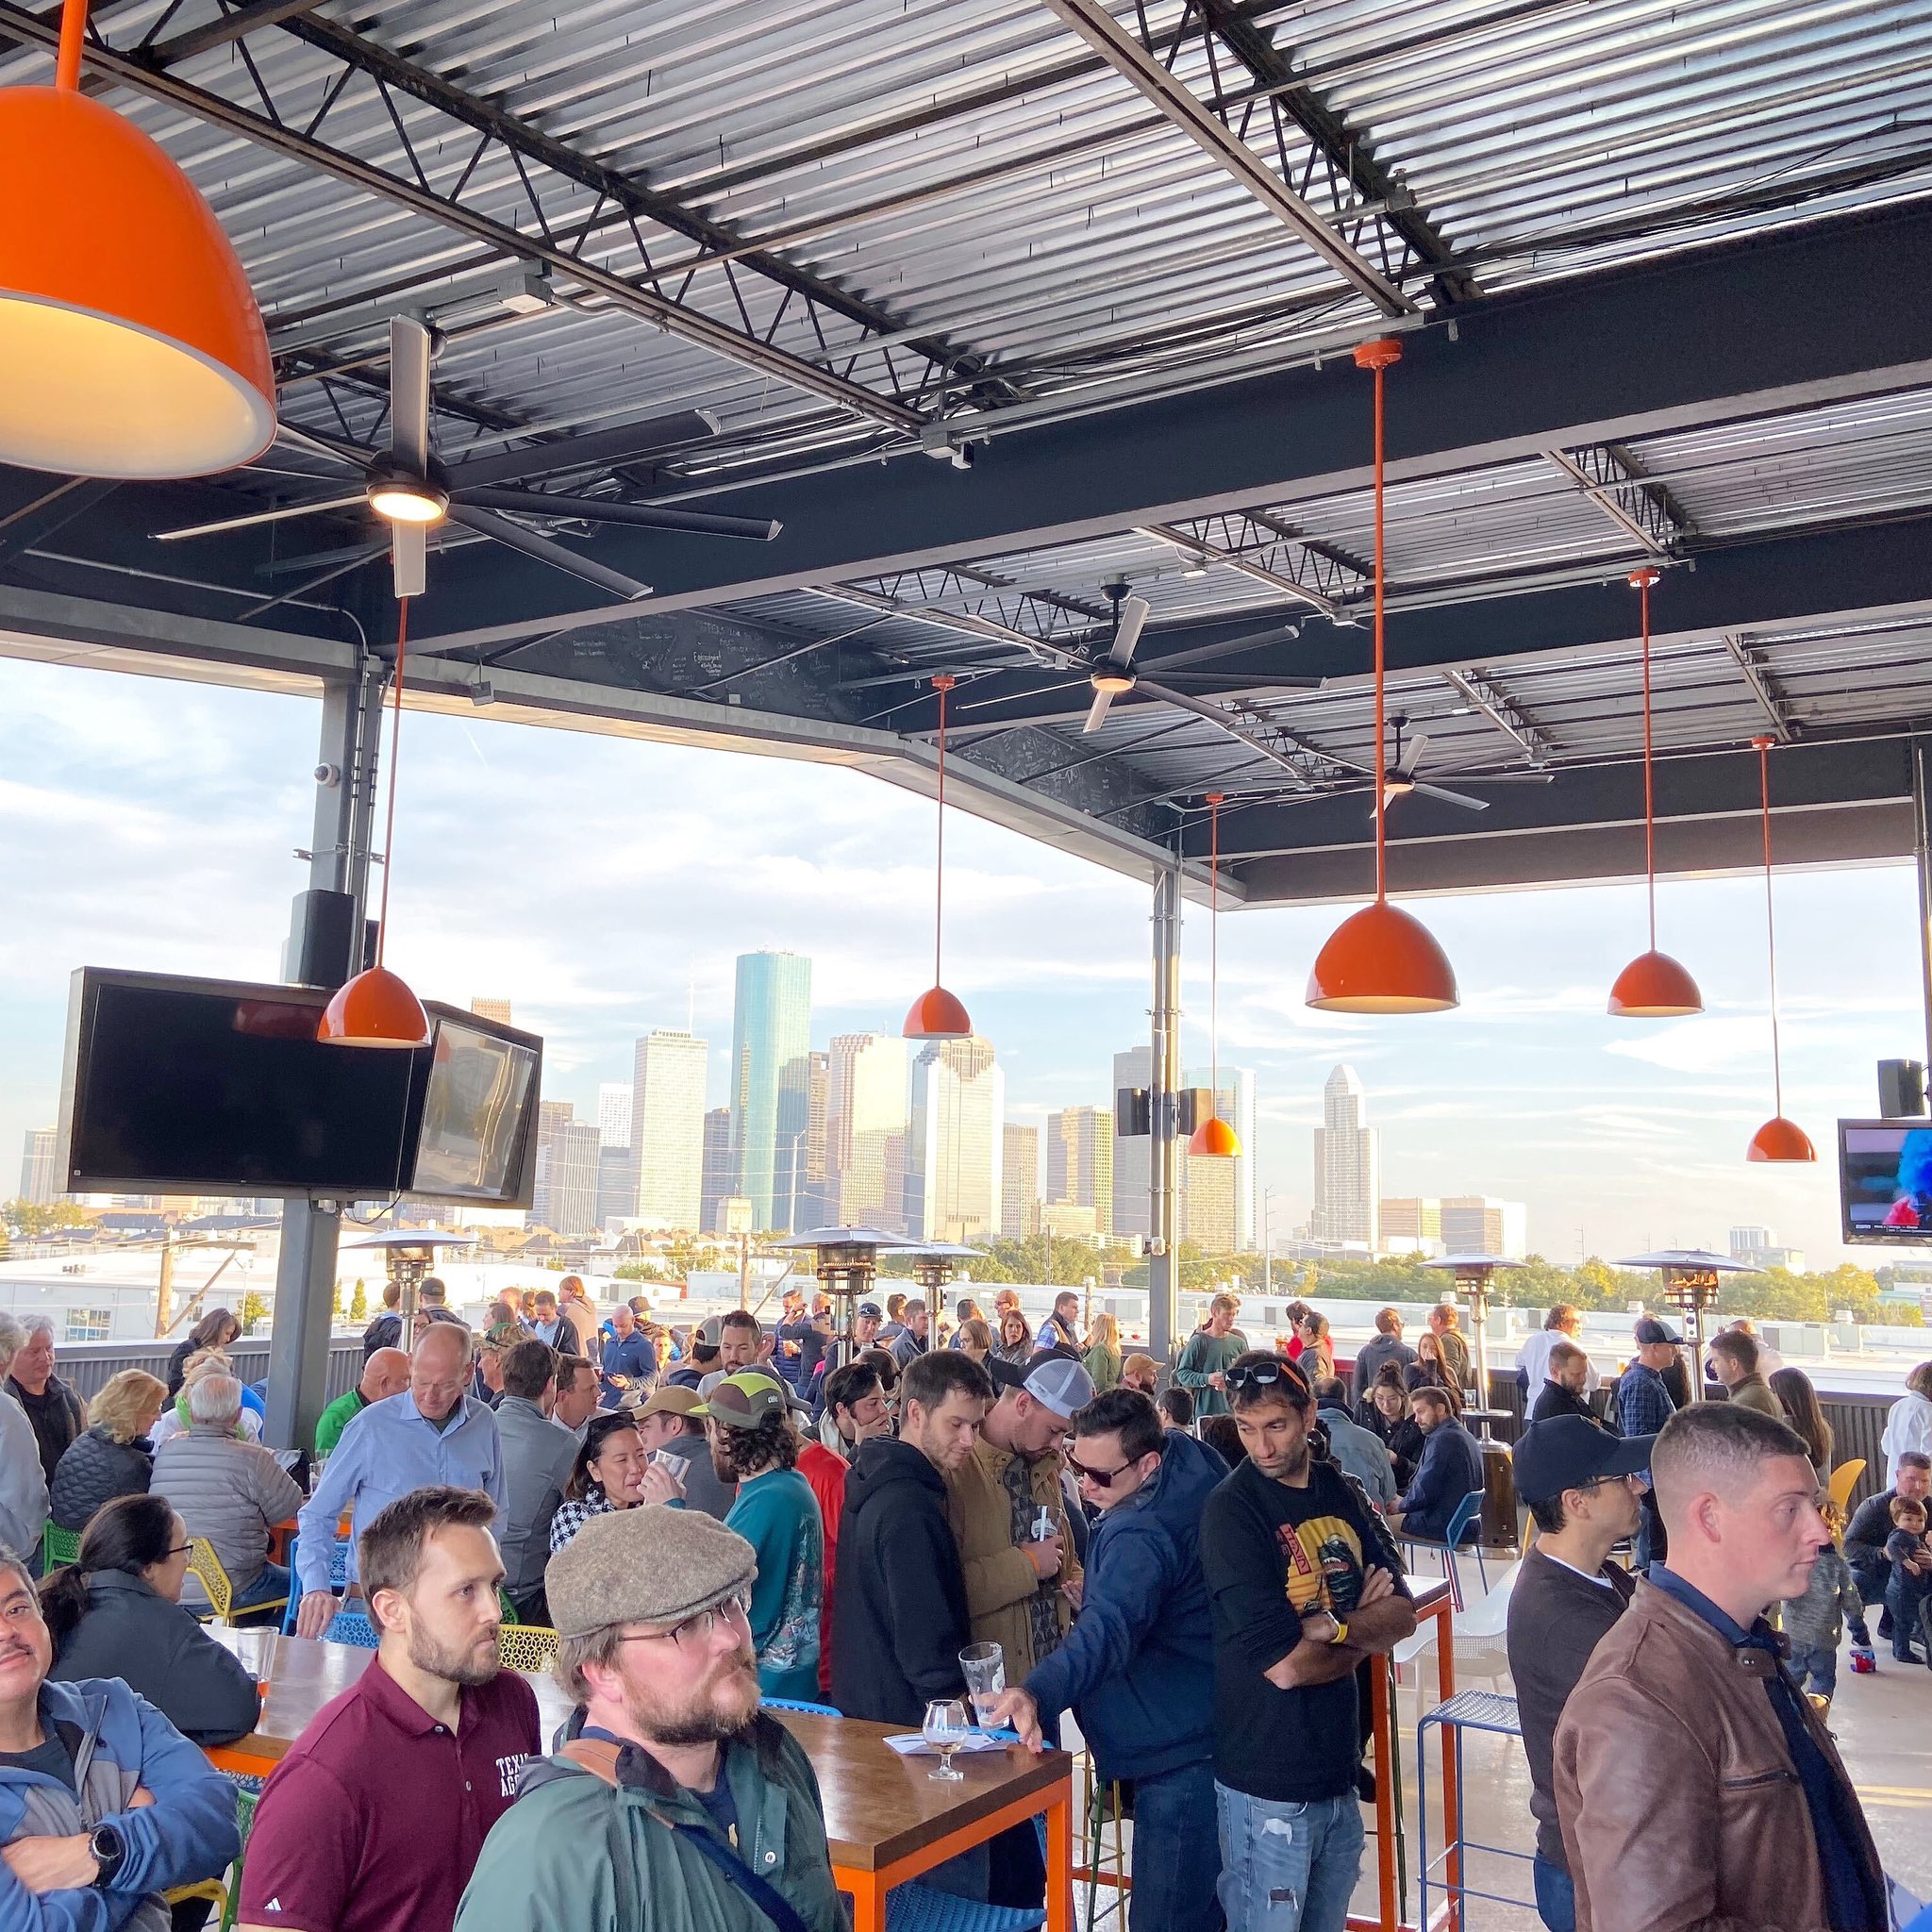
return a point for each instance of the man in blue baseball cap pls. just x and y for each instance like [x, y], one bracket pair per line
[1581, 1483]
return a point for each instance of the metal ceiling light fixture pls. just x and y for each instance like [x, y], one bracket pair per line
[1381, 960]
[128, 332]
[935, 1014]
[376, 1006]
[1654, 986]
[1214, 1138]
[1777, 1138]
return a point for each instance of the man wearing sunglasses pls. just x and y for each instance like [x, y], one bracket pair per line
[1305, 1583]
[681, 1803]
[1138, 1666]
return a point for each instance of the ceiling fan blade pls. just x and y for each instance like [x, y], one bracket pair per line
[593, 449]
[1412, 755]
[323, 445]
[1507, 777]
[1448, 797]
[560, 556]
[1282, 634]
[261, 516]
[639, 516]
[1096, 712]
[1134, 615]
[1211, 681]
[408, 394]
[408, 555]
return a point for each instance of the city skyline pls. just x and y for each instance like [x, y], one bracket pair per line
[1619, 1135]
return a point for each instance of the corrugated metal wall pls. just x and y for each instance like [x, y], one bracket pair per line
[86, 1365]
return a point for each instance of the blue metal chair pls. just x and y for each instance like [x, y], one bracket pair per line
[338, 1577]
[1468, 1515]
[920, 1908]
[351, 1626]
[1467, 1710]
[792, 1704]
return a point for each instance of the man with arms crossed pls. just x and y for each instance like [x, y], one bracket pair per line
[1697, 1788]
[1305, 1583]
[1580, 1482]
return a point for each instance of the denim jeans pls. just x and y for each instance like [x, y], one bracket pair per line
[1814, 1670]
[1287, 1868]
[1175, 1875]
[1555, 1895]
[270, 1586]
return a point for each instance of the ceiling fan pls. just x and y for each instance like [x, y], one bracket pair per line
[409, 491]
[1399, 778]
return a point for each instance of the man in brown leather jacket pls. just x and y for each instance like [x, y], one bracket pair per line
[1696, 1788]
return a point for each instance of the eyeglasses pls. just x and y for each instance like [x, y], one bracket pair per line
[1100, 1478]
[701, 1628]
[181, 1550]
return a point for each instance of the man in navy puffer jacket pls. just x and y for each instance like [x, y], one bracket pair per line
[1137, 1668]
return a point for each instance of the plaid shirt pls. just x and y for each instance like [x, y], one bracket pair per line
[1643, 1403]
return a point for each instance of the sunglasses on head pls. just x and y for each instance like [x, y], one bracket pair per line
[1265, 1375]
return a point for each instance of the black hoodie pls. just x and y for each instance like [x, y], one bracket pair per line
[899, 1617]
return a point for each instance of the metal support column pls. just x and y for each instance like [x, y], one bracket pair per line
[1163, 1106]
[1922, 842]
[306, 1275]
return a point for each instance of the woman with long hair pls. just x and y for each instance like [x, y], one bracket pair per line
[116, 1611]
[1102, 1356]
[1430, 1368]
[613, 1472]
[215, 1330]
[1016, 1338]
[1386, 1411]
[113, 1455]
[1794, 1390]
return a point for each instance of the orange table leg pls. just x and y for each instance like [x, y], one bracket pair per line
[868, 1890]
[1060, 1865]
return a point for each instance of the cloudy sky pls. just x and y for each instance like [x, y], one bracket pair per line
[601, 885]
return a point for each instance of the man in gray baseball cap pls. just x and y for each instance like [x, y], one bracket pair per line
[681, 1802]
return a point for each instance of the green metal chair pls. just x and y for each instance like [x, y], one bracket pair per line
[58, 1546]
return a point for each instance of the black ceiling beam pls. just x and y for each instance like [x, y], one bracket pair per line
[1834, 802]
[1697, 338]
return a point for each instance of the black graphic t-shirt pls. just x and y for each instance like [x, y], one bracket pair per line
[1273, 1555]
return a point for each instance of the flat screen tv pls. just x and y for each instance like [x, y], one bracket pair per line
[477, 1139]
[1885, 1181]
[212, 1087]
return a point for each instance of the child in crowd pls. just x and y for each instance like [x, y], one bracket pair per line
[1912, 1578]
[1814, 1622]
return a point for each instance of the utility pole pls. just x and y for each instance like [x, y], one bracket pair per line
[1267, 1241]
[164, 1294]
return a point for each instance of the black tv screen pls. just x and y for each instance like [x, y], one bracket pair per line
[207, 1086]
[1885, 1181]
[477, 1142]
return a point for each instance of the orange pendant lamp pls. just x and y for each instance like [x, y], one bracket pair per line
[1214, 1138]
[128, 334]
[935, 1014]
[1381, 960]
[376, 1007]
[1777, 1138]
[1654, 986]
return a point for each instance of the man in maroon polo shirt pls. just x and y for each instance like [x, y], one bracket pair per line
[373, 1821]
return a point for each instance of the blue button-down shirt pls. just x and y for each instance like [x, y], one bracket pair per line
[1643, 1403]
[387, 1451]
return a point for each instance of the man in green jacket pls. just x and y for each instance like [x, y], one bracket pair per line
[1205, 1361]
[385, 1373]
[680, 1799]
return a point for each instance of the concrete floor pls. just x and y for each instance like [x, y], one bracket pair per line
[1883, 1725]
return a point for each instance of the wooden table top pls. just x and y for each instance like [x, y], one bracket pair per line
[879, 1807]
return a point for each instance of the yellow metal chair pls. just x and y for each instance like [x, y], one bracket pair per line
[1843, 1480]
[526, 1647]
[203, 1563]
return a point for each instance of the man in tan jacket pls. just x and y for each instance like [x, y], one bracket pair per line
[1696, 1788]
[1022, 1588]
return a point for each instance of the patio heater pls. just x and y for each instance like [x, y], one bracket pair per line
[1690, 1288]
[934, 1266]
[1474, 1276]
[409, 1254]
[846, 1260]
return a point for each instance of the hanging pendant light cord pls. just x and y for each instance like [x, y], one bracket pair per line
[1214, 799]
[1778, 1078]
[1381, 773]
[1643, 579]
[395, 740]
[942, 684]
[73, 38]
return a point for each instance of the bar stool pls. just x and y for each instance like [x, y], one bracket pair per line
[1467, 1710]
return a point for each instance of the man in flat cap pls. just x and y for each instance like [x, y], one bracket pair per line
[681, 1803]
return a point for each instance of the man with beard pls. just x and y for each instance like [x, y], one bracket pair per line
[373, 1821]
[680, 1803]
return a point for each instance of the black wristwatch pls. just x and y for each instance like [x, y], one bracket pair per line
[109, 1849]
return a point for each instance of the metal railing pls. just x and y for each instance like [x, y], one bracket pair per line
[83, 1366]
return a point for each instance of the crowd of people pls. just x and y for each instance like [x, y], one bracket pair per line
[715, 1518]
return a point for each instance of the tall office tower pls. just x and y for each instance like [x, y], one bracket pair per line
[1348, 1166]
[1018, 1181]
[565, 1200]
[40, 1178]
[613, 1112]
[865, 1103]
[667, 1127]
[810, 1197]
[1079, 1160]
[1476, 1225]
[493, 1009]
[1208, 1185]
[617, 1185]
[1131, 1179]
[1234, 1104]
[771, 1079]
[715, 1183]
[958, 1141]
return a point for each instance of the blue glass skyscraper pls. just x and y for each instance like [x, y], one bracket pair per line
[771, 1080]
